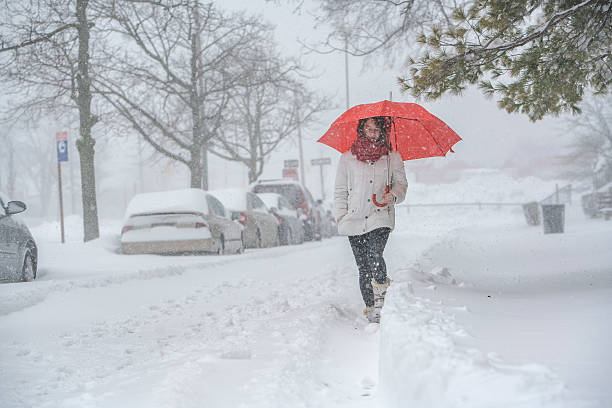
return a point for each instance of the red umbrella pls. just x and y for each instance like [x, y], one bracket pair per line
[414, 133]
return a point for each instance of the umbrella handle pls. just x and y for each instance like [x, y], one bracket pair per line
[376, 203]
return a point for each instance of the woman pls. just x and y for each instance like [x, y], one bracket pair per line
[363, 171]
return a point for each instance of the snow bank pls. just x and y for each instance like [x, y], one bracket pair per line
[541, 299]
[423, 365]
[482, 185]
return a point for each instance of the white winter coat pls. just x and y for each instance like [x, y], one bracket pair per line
[356, 181]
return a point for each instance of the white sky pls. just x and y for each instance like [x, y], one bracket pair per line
[490, 136]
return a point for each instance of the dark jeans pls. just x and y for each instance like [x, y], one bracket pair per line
[368, 250]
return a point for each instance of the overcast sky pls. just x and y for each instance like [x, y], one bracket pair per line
[491, 136]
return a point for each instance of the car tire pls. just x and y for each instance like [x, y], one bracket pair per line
[28, 269]
[258, 243]
[221, 250]
[282, 238]
[242, 243]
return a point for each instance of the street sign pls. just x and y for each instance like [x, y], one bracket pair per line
[292, 164]
[290, 174]
[61, 139]
[321, 161]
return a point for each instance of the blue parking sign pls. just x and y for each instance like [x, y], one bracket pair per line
[62, 146]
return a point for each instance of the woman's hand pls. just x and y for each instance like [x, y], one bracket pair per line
[389, 198]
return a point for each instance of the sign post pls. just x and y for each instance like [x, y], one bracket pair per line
[61, 139]
[321, 162]
[290, 169]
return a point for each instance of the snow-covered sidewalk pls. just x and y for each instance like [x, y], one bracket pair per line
[497, 314]
[484, 311]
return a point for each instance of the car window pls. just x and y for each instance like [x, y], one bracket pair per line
[250, 203]
[283, 203]
[290, 191]
[216, 207]
[256, 203]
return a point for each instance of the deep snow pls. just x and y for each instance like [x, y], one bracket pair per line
[484, 311]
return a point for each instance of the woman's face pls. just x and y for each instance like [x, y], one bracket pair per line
[370, 130]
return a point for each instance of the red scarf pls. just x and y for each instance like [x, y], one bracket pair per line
[367, 150]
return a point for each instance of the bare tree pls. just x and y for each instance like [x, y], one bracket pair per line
[173, 81]
[8, 171]
[46, 59]
[38, 165]
[31, 166]
[263, 114]
[382, 30]
[46, 50]
[592, 138]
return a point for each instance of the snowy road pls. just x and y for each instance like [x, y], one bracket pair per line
[478, 298]
[262, 329]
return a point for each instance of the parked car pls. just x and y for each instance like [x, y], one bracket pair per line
[18, 251]
[291, 227]
[300, 198]
[329, 227]
[261, 229]
[179, 221]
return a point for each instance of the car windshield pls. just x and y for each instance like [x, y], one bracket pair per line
[289, 191]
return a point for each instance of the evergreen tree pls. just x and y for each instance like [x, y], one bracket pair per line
[537, 56]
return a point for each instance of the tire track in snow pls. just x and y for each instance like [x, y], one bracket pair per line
[275, 326]
[15, 297]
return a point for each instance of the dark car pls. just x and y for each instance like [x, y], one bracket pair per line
[300, 198]
[18, 252]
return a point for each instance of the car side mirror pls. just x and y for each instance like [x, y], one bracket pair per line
[15, 207]
[273, 210]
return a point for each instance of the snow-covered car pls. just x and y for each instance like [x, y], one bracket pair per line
[291, 227]
[179, 221]
[18, 251]
[299, 197]
[261, 229]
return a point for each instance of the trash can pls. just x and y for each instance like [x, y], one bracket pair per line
[553, 217]
[532, 213]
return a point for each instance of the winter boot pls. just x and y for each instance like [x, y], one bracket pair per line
[380, 290]
[372, 314]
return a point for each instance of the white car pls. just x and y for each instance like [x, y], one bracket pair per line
[261, 229]
[291, 226]
[179, 221]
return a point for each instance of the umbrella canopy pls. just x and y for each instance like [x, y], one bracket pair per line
[414, 132]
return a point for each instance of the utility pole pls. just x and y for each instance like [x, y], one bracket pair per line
[299, 129]
[346, 71]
